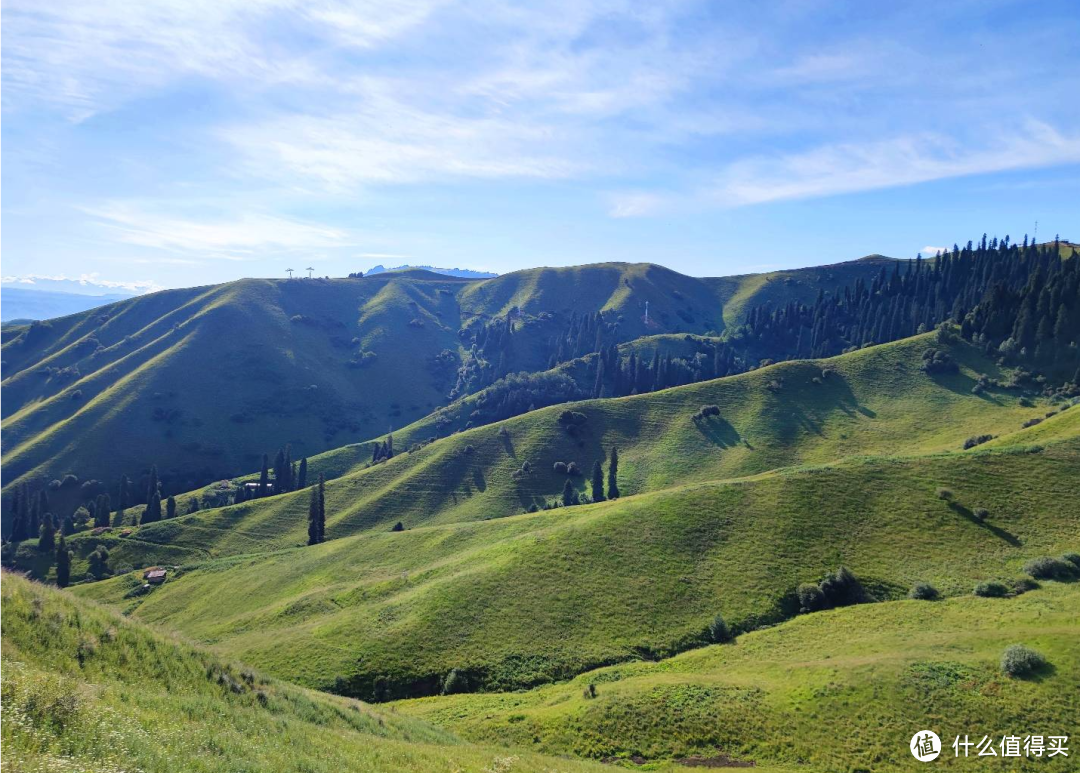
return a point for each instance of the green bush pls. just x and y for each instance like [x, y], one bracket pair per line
[841, 588]
[1019, 661]
[1072, 558]
[923, 591]
[1047, 568]
[944, 493]
[981, 514]
[719, 631]
[991, 590]
[811, 599]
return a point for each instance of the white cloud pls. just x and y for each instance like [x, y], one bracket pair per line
[850, 167]
[930, 250]
[84, 282]
[635, 204]
[242, 237]
[83, 57]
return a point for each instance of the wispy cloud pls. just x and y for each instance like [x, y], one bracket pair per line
[86, 282]
[850, 167]
[244, 237]
[931, 250]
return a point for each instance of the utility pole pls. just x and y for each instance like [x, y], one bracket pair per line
[289, 272]
[309, 269]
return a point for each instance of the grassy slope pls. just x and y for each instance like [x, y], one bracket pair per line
[208, 354]
[519, 601]
[837, 691]
[241, 377]
[876, 401]
[85, 689]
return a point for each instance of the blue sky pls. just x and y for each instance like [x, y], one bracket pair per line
[175, 142]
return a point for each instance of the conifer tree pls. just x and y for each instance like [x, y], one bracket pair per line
[152, 513]
[264, 477]
[322, 507]
[47, 533]
[63, 562]
[597, 482]
[154, 486]
[569, 495]
[170, 507]
[313, 517]
[613, 474]
[302, 475]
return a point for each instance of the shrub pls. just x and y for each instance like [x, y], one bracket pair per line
[572, 469]
[977, 440]
[1031, 422]
[1072, 558]
[841, 588]
[706, 411]
[937, 361]
[560, 468]
[981, 514]
[453, 683]
[991, 590]
[719, 631]
[811, 599]
[399, 526]
[572, 418]
[923, 591]
[1047, 568]
[1019, 661]
[590, 692]
[468, 450]
[944, 493]
[1022, 585]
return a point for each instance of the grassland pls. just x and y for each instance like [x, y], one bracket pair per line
[85, 689]
[876, 401]
[203, 381]
[841, 690]
[519, 601]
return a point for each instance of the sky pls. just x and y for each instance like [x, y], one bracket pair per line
[168, 143]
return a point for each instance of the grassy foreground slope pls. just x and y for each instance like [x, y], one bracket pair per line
[875, 401]
[519, 601]
[85, 689]
[841, 690]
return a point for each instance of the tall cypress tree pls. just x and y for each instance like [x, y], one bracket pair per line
[153, 486]
[569, 495]
[152, 513]
[47, 533]
[170, 507]
[264, 477]
[313, 518]
[613, 475]
[597, 482]
[322, 507]
[63, 563]
[302, 475]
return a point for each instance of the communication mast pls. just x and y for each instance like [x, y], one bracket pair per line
[309, 269]
[289, 272]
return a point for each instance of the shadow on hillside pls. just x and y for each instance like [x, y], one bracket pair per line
[998, 532]
[718, 431]
[478, 479]
[508, 444]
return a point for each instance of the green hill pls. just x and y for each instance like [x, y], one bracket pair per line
[875, 401]
[519, 601]
[203, 381]
[838, 690]
[85, 689]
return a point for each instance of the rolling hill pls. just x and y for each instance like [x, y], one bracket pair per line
[203, 381]
[837, 690]
[872, 402]
[85, 689]
[730, 517]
